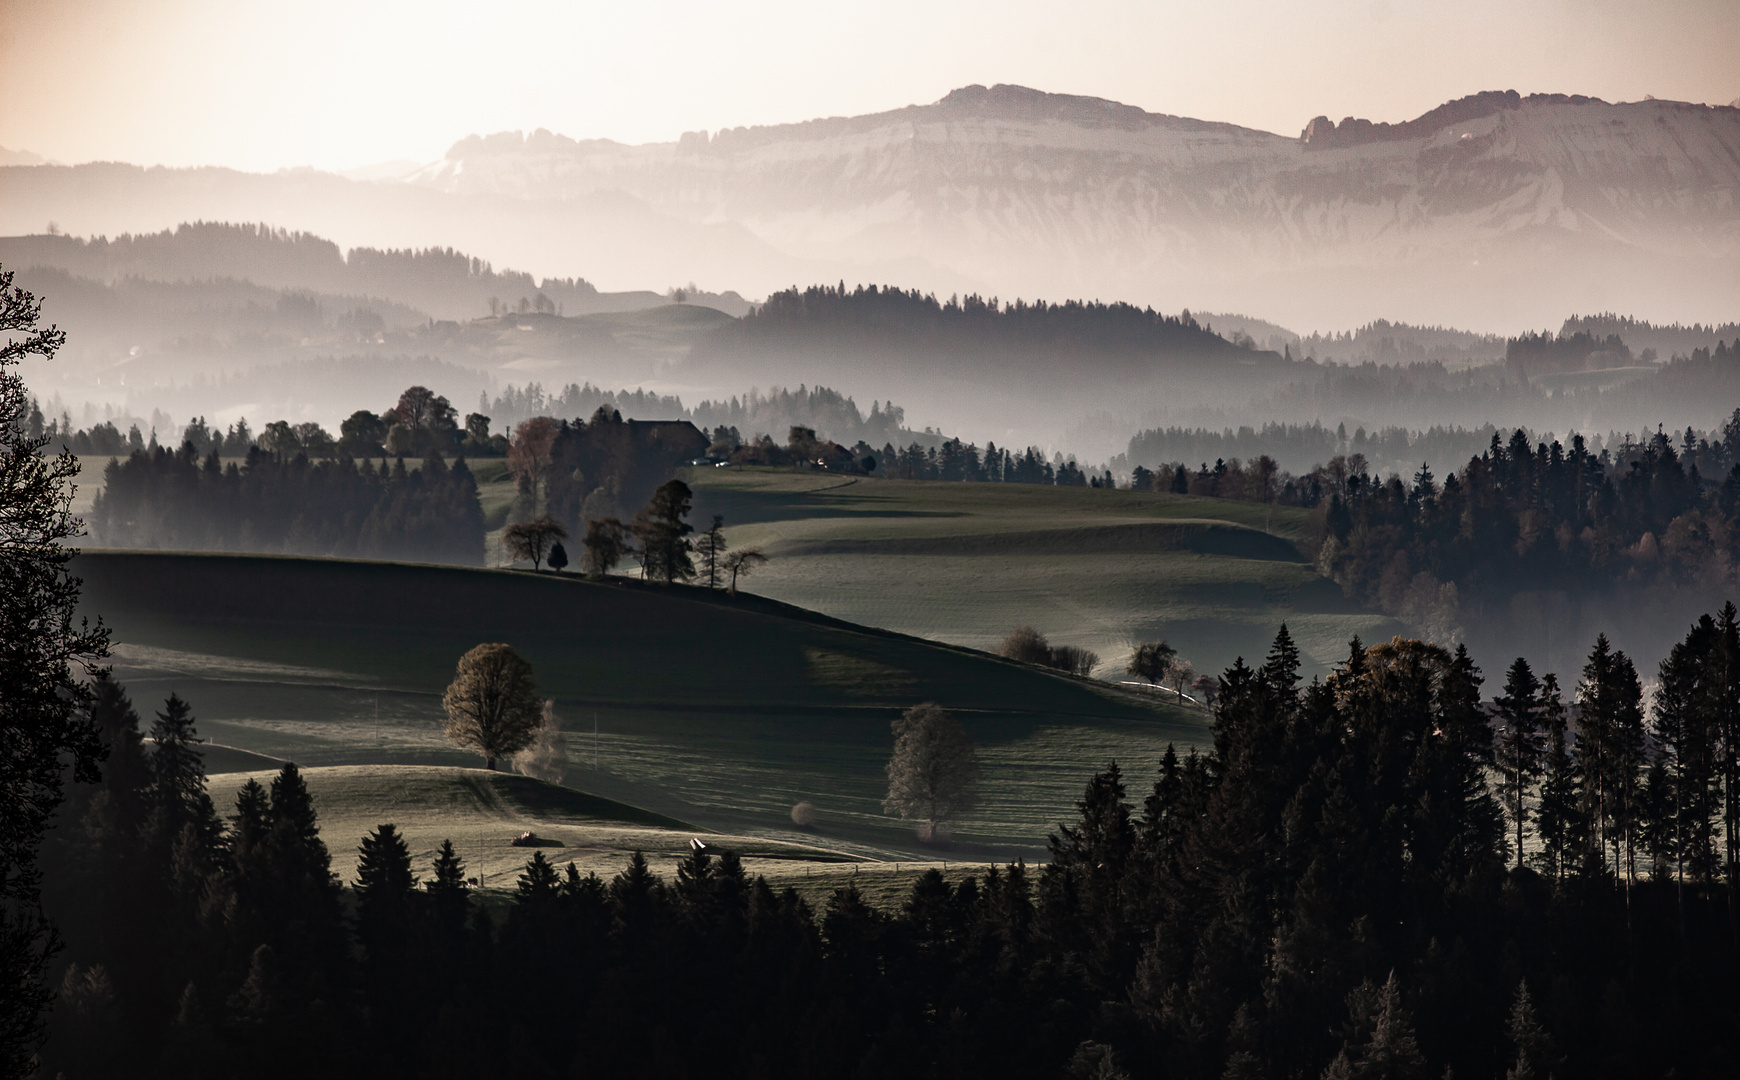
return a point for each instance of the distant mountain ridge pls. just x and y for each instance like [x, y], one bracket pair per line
[1497, 211]
[1049, 194]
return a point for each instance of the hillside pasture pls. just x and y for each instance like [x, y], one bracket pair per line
[1101, 569]
[719, 711]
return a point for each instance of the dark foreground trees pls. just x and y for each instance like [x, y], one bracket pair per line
[42, 651]
[1324, 889]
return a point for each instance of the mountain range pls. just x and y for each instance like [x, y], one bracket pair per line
[1497, 211]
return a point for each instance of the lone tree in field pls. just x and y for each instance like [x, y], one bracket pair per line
[530, 540]
[711, 547]
[48, 735]
[1151, 661]
[492, 705]
[558, 557]
[742, 564]
[933, 776]
[606, 544]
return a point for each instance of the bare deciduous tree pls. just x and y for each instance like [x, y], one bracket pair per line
[1179, 673]
[742, 564]
[492, 704]
[1026, 645]
[529, 540]
[546, 756]
[1075, 660]
[1151, 661]
[933, 776]
[711, 547]
[529, 455]
[606, 544]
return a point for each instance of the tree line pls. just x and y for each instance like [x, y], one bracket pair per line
[1521, 516]
[950, 460]
[270, 503]
[1328, 887]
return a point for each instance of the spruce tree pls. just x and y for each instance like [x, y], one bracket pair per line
[448, 891]
[385, 882]
[1535, 1058]
[538, 883]
[1519, 743]
[1557, 817]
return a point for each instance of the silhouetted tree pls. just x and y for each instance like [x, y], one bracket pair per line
[40, 694]
[531, 540]
[711, 547]
[606, 544]
[742, 563]
[1519, 743]
[663, 534]
[1151, 661]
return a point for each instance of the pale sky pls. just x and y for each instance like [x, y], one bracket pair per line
[260, 86]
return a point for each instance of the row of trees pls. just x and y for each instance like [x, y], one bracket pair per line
[950, 460]
[660, 538]
[270, 503]
[1639, 791]
[1029, 646]
[1541, 517]
[1519, 517]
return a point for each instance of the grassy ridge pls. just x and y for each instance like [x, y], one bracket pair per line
[484, 811]
[964, 563]
[706, 708]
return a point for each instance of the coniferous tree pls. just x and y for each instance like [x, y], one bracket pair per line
[538, 883]
[1557, 818]
[1683, 727]
[1535, 1058]
[712, 548]
[448, 893]
[385, 884]
[1519, 747]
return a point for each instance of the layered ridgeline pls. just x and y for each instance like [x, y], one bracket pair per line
[434, 282]
[287, 324]
[1024, 193]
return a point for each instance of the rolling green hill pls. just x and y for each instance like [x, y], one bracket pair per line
[1102, 569]
[715, 710]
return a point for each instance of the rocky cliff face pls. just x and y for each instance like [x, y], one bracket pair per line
[1025, 193]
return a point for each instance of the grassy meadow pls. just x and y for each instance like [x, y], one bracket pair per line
[716, 714]
[482, 811]
[1101, 569]
[717, 711]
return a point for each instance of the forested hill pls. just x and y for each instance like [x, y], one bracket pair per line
[440, 282]
[913, 332]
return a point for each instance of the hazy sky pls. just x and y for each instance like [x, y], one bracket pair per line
[261, 85]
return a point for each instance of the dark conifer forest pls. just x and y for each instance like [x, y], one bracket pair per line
[1332, 887]
[173, 499]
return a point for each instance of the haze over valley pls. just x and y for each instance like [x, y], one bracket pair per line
[1003, 551]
